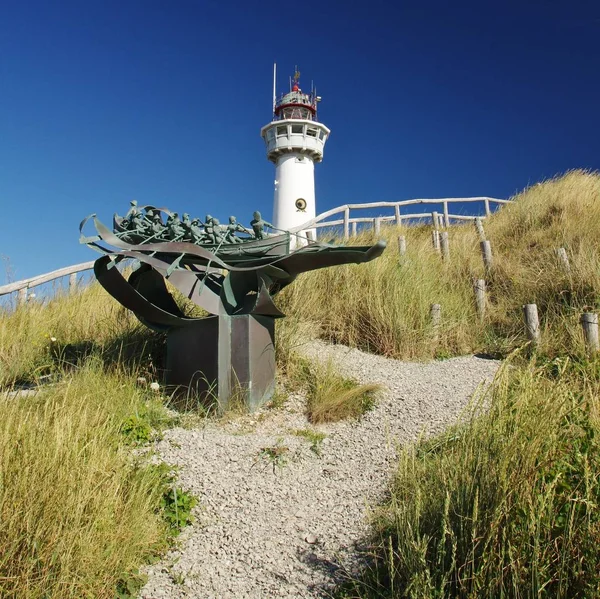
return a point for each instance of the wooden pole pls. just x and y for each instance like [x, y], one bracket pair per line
[397, 214]
[346, 224]
[589, 322]
[532, 323]
[73, 283]
[435, 218]
[377, 224]
[446, 215]
[445, 245]
[486, 252]
[480, 230]
[435, 238]
[436, 318]
[480, 297]
[402, 245]
[487, 207]
[563, 259]
[354, 229]
[22, 297]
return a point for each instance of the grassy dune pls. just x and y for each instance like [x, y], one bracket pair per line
[504, 506]
[384, 306]
[77, 514]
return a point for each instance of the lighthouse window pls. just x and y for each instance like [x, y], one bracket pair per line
[282, 131]
[322, 135]
[297, 129]
[270, 134]
[311, 132]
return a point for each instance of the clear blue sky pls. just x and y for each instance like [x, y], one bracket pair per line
[103, 101]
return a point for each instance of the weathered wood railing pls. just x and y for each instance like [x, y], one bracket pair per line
[22, 287]
[320, 221]
[444, 219]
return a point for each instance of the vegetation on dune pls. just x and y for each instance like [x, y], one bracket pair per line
[78, 513]
[383, 306]
[504, 505]
[40, 339]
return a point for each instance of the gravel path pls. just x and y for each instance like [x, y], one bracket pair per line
[268, 529]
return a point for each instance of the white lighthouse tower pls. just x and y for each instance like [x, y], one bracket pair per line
[295, 141]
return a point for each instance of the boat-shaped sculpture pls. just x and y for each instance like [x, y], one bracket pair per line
[230, 270]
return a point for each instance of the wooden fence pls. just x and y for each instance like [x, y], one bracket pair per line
[443, 219]
[321, 221]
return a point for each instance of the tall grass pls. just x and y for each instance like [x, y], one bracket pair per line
[383, 306]
[76, 512]
[504, 506]
[36, 339]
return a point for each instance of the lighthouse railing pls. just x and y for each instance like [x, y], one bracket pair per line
[445, 218]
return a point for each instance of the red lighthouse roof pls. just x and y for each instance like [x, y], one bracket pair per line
[296, 104]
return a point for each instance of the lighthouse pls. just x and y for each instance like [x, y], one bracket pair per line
[295, 141]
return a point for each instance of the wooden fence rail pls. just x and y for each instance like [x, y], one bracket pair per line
[349, 225]
[346, 221]
[51, 276]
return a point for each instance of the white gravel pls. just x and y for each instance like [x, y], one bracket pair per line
[265, 529]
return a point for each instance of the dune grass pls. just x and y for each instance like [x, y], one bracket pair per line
[78, 514]
[503, 506]
[506, 504]
[383, 306]
[37, 339]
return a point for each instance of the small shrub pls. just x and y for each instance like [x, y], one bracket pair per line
[130, 585]
[176, 506]
[136, 429]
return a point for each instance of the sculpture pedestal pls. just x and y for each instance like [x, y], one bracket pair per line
[227, 357]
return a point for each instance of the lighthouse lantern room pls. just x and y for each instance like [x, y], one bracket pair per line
[295, 141]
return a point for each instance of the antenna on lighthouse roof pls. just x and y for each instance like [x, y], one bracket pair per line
[274, 86]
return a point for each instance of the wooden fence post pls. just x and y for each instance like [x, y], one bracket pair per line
[435, 238]
[480, 297]
[354, 229]
[435, 219]
[589, 322]
[436, 318]
[402, 245]
[480, 230]
[445, 245]
[72, 283]
[346, 224]
[561, 254]
[377, 224]
[397, 214]
[487, 207]
[22, 297]
[486, 252]
[446, 215]
[532, 323]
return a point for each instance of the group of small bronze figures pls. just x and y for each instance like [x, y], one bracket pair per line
[144, 225]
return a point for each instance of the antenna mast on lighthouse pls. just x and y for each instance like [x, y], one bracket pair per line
[274, 86]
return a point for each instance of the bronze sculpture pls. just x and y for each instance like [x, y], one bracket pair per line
[230, 271]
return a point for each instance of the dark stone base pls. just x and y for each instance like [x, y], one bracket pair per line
[230, 358]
